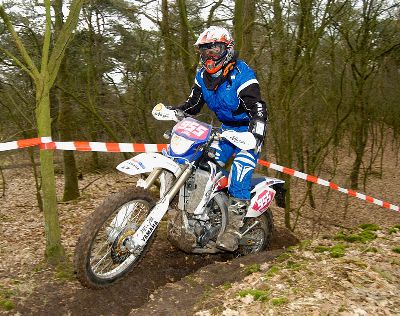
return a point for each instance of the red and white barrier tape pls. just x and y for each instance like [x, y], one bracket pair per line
[105, 147]
[24, 143]
[329, 184]
[47, 143]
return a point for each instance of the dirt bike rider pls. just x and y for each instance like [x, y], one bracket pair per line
[230, 89]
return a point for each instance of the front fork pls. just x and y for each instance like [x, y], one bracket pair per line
[136, 242]
[181, 177]
[151, 178]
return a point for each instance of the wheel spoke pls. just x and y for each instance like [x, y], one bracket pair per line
[110, 264]
[133, 212]
[105, 245]
[98, 263]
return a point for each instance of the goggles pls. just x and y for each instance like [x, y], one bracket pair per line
[212, 51]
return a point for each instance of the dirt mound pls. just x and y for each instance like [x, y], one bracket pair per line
[183, 295]
[63, 296]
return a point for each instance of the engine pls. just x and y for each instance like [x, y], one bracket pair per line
[192, 192]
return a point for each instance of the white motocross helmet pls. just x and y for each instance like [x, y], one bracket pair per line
[216, 47]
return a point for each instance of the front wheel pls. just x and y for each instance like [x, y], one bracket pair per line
[101, 255]
[258, 237]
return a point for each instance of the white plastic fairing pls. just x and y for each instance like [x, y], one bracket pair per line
[261, 201]
[146, 162]
[242, 140]
[180, 145]
[161, 113]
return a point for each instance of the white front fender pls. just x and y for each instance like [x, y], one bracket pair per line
[146, 162]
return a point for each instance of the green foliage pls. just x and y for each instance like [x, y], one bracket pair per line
[277, 301]
[335, 251]
[226, 286]
[356, 262]
[342, 308]
[5, 218]
[291, 248]
[272, 271]
[394, 229]
[5, 299]
[293, 265]
[259, 295]
[64, 271]
[283, 257]
[395, 261]
[320, 249]
[6, 304]
[396, 249]
[340, 236]
[364, 236]
[252, 268]
[217, 310]
[372, 227]
[40, 266]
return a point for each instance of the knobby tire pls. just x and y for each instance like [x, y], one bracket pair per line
[92, 227]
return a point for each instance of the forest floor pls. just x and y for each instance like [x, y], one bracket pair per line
[329, 265]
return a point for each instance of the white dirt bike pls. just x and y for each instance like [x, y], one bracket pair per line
[192, 189]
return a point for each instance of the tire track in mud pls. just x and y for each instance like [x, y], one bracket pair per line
[162, 264]
[179, 298]
[163, 268]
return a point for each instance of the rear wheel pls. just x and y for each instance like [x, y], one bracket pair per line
[258, 238]
[101, 255]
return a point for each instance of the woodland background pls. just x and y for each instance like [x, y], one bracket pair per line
[329, 71]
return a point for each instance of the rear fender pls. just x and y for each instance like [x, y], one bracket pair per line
[260, 202]
[146, 162]
[264, 193]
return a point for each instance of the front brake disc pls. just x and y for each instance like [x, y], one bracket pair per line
[119, 250]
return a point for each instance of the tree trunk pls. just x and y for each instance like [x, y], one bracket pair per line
[168, 57]
[64, 121]
[238, 24]
[282, 102]
[54, 250]
[244, 16]
[360, 137]
[185, 52]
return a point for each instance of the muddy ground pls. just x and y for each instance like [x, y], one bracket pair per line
[32, 288]
[168, 281]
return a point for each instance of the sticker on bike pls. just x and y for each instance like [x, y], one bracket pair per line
[264, 199]
[192, 129]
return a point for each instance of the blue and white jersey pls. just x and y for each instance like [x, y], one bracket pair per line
[235, 101]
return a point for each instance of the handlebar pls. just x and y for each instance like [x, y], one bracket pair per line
[242, 140]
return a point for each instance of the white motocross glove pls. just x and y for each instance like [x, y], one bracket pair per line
[180, 115]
